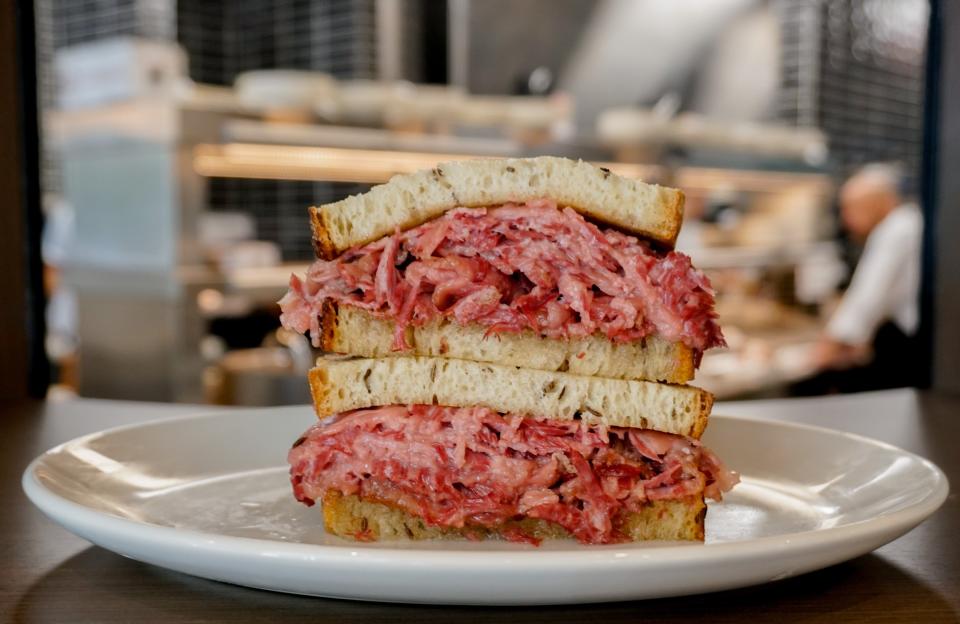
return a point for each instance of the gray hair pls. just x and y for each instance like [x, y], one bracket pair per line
[886, 174]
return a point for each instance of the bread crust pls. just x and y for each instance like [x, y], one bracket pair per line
[706, 406]
[351, 517]
[646, 210]
[350, 330]
[323, 246]
[329, 322]
[340, 385]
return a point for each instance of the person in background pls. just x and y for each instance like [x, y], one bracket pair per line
[869, 341]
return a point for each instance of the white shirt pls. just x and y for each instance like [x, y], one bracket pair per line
[886, 282]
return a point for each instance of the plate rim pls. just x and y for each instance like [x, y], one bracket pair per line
[626, 557]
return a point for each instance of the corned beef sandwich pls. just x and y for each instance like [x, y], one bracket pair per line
[514, 318]
[565, 264]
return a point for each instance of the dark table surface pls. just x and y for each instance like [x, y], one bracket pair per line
[49, 575]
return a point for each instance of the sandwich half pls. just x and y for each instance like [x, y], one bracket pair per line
[544, 263]
[415, 448]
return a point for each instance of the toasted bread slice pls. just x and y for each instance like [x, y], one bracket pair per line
[406, 201]
[351, 330]
[352, 517]
[342, 384]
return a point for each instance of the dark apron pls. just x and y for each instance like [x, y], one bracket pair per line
[894, 365]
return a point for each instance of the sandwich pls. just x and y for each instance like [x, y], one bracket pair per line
[514, 340]
[565, 264]
[429, 447]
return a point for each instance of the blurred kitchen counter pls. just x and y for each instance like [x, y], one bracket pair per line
[765, 370]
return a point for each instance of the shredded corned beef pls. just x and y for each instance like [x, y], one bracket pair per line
[457, 467]
[511, 268]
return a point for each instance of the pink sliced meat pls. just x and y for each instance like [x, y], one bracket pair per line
[470, 466]
[514, 267]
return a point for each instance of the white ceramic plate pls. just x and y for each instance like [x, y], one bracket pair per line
[208, 495]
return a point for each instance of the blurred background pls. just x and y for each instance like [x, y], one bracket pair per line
[183, 141]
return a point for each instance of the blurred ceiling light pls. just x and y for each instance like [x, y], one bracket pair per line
[330, 164]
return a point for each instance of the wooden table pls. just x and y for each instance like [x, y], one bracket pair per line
[48, 575]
